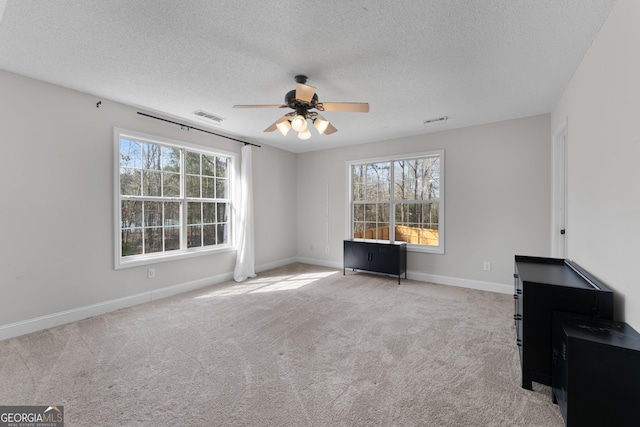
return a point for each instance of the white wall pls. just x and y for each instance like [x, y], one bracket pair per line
[56, 206]
[497, 199]
[274, 198]
[602, 107]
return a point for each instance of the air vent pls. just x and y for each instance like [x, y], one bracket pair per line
[212, 118]
[438, 121]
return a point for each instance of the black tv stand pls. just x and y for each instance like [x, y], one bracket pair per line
[386, 258]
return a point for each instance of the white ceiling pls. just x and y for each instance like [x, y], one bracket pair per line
[411, 60]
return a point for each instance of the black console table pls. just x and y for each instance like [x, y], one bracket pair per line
[387, 258]
[596, 371]
[542, 286]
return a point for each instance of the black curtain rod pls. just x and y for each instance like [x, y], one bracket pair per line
[201, 130]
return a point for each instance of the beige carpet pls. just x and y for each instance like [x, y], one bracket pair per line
[296, 346]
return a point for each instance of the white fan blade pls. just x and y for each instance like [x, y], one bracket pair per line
[330, 129]
[304, 93]
[261, 106]
[345, 107]
[273, 125]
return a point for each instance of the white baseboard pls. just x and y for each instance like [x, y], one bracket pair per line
[432, 278]
[275, 264]
[56, 319]
[189, 286]
[321, 262]
[462, 283]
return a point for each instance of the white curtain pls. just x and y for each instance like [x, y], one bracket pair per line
[245, 262]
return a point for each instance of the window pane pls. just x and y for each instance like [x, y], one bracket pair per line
[222, 188]
[131, 214]
[152, 183]
[131, 242]
[171, 238]
[384, 181]
[222, 212]
[401, 184]
[208, 165]
[151, 156]
[402, 213]
[193, 186]
[377, 181]
[432, 213]
[171, 184]
[222, 166]
[223, 234]
[370, 213]
[208, 187]
[358, 212]
[358, 182]
[358, 230]
[194, 236]
[431, 226]
[383, 212]
[194, 213]
[170, 159]
[192, 163]
[208, 213]
[417, 223]
[417, 179]
[130, 154]
[209, 235]
[152, 214]
[152, 240]
[172, 214]
[130, 182]
[370, 230]
[383, 231]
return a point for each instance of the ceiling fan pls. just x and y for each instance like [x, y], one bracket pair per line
[303, 99]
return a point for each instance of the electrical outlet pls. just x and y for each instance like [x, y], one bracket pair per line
[487, 266]
[151, 273]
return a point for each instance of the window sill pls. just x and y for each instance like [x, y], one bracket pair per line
[155, 259]
[437, 250]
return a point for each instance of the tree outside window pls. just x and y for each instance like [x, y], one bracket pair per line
[172, 199]
[398, 200]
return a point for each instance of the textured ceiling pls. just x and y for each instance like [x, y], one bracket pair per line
[411, 60]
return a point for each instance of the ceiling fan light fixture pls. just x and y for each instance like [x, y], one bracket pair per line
[304, 135]
[303, 100]
[299, 123]
[320, 124]
[284, 127]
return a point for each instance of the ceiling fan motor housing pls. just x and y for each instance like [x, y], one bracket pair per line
[292, 102]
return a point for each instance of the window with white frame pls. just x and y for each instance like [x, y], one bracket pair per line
[172, 199]
[399, 199]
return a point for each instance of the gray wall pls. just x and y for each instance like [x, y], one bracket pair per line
[57, 251]
[601, 105]
[497, 200]
[57, 204]
[57, 209]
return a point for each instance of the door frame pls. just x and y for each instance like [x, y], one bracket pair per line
[559, 214]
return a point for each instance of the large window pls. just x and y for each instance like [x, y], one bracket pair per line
[399, 200]
[171, 199]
